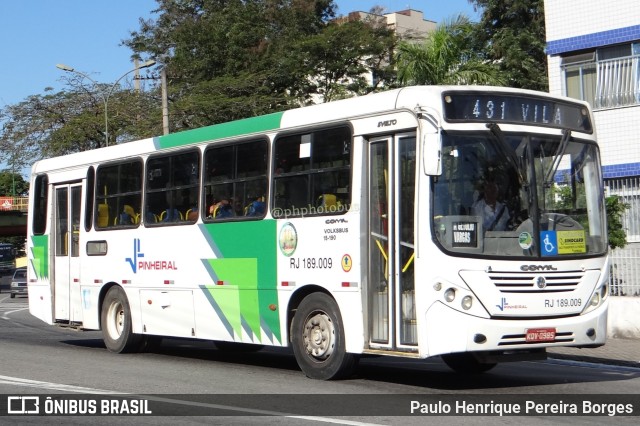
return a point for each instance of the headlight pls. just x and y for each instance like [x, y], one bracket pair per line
[466, 303]
[450, 295]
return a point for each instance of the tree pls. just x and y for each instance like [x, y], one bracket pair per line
[615, 208]
[13, 184]
[227, 60]
[72, 121]
[445, 57]
[337, 60]
[512, 33]
[223, 58]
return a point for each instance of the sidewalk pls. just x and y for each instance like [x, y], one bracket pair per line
[616, 351]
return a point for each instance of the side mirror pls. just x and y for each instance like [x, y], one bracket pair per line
[431, 146]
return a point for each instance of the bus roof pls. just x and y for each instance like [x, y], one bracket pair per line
[403, 98]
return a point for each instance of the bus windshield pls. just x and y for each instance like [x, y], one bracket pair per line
[519, 195]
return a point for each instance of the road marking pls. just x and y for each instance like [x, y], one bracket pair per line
[5, 314]
[17, 381]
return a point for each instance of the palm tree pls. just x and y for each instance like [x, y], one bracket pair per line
[446, 57]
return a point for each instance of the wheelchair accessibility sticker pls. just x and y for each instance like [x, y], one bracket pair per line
[563, 242]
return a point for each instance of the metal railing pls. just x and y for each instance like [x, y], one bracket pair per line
[617, 82]
[14, 204]
[624, 277]
[605, 83]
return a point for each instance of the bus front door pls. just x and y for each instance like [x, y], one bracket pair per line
[66, 283]
[391, 195]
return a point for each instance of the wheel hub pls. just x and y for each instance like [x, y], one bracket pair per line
[319, 336]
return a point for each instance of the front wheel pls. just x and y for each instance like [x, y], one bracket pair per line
[317, 337]
[115, 320]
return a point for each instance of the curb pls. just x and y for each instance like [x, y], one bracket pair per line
[595, 360]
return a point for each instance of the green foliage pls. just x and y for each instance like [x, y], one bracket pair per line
[512, 34]
[13, 184]
[615, 207]
[234, 59]
[446, 57]
[72, 121]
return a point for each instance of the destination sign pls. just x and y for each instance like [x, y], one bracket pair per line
[515, 109]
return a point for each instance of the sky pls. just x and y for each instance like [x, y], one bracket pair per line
[87, 34]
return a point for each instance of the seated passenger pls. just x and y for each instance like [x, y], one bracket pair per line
[221, 209]
[127, 217]
[192, 214]
[495, 214]
[255, 208]
[171, 215]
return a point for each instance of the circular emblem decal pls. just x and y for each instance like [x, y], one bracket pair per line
[288, 239]
[525, 240]
[346, 263]
[541, 282]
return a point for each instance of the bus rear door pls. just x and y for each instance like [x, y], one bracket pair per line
[66, 238]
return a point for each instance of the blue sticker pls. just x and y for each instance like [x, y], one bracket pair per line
[549, 243]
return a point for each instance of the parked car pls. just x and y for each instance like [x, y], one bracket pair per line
[19, 282]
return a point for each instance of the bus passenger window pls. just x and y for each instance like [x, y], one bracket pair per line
[313, 173]
[118, 194]
[236, 181]
[172, 188]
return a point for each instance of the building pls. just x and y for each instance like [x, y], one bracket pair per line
[593, 51]
[406, 23]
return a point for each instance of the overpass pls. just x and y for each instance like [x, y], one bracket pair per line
[13, 216]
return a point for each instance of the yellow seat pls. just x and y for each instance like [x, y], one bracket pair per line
[103, 215]
[327, 201]
[164, 213]
[130, 214]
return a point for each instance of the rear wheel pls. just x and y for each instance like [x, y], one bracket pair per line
[466, 363]
[317, 336]
[116, 323]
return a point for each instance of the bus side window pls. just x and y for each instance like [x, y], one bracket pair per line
[312, 172]
[236, 181]
[118, 194]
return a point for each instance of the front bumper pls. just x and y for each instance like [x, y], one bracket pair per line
[450, 331]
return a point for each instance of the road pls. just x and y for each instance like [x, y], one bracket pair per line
[181, 376]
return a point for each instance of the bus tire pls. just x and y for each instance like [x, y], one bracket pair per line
[466, 363]
[115, 320]
[317, 337]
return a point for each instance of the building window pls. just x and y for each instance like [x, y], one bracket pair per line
[607, 77]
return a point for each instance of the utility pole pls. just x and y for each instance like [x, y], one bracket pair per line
[165, 101]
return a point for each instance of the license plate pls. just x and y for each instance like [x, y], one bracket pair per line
[541, 335]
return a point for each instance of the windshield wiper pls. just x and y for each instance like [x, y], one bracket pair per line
[557, 157]
[504, 148]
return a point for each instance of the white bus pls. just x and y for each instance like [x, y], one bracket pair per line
[464, 222]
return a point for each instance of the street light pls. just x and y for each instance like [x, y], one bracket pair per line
[105, 96]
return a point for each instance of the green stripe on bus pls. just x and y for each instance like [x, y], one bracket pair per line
[219, 131]
[248, 263]
[40, 256]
